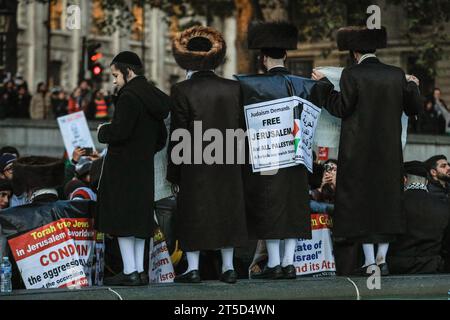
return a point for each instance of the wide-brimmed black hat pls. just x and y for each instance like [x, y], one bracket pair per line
[361, 39]
[199, 48]
[36, 172]
[415, 168]
[272, 35]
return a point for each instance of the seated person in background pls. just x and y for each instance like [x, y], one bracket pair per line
[427, 216]
[5, 193]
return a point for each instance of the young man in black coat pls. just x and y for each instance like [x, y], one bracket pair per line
[126, 187]
[210, 203]
[373, 96]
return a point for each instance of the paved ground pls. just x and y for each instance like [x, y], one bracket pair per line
[393, 287]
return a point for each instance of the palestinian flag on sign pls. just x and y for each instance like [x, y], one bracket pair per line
[296, 130]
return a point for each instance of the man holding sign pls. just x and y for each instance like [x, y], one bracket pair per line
[281, 112]
[369, 181]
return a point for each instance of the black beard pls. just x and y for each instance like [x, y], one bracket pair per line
[443, 177]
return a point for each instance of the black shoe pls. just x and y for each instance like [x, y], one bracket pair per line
[144, 278]
[289, 272]
[229, 276]
[190, 277]
[122, 279]
[384, 270]
[269, 273]
[366, 271]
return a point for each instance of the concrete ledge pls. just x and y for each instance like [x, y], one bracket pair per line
[394, 287]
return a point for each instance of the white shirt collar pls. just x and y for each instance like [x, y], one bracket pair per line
[365, 56]
[277, 66]
[189, 73]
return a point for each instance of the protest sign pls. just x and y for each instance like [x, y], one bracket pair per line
[275, 139]
[160, 266]
[75, 132]
[315, 256]
[48, 257]
[312, 257]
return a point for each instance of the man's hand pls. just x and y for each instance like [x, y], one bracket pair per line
[317, 75]
[410, 77]
[77, 154]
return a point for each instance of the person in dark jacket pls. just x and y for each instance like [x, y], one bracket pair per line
[210, 203]
[21, 109]
[427, 217]
[439, 174]
[126, 187]
[277, 204]
[373, 96]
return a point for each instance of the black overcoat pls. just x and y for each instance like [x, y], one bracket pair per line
[126, 187]
[369, 184]
[210, 204]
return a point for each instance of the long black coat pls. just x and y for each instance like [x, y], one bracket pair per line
[278, 205]
[126, 187]
[210, 204]
[369, 178]
[419, 249]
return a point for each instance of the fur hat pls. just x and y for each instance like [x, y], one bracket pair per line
[361, 39]
[199, 48]
[35, 172]
[127, 57]
[276, 35]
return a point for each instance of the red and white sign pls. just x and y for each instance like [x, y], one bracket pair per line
[56, 255]
[323, 153]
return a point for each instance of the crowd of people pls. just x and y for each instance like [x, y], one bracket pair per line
[384, 212]
[16, 101]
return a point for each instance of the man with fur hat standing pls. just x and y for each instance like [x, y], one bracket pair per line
[368, 206]
[210, 204]
[126, 187]
[278, 205]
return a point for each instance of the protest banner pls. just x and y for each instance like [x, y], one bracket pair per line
[75, 132]
[312, 257]
[276, 140]
[315, 256]
[48, 257]
[160, 266]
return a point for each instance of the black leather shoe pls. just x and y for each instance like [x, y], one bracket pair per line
[365, 271]
[144, 278]
[190, 277]
[384, 270]
[229, 276]
[289, 272]
[122, 279]
[269, 273]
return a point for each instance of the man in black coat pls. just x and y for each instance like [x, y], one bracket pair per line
[427, 217]
[277, 204]
[210, 202]
[126, 187]
[373, 96]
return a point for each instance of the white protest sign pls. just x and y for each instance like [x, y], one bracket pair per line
[47, 257]
[270, 126]
[315, 256]
[75, 132]
[160, 265]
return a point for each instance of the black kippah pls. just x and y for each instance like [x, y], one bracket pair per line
[127, 57]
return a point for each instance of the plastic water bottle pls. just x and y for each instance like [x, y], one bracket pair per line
[5, 276]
